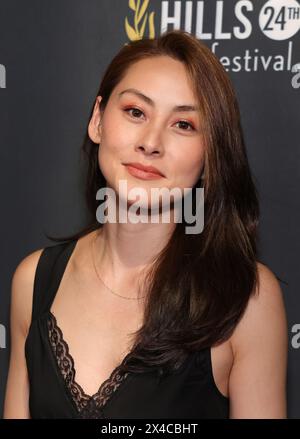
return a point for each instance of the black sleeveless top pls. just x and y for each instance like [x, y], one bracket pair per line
[189, 392]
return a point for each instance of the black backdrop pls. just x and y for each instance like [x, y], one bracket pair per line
[52, 56]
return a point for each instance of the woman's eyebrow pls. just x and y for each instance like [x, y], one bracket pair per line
[150, 101]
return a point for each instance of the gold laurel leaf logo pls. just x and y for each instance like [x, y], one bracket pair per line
[140, 19]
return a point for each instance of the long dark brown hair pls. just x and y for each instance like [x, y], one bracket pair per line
[199, 285]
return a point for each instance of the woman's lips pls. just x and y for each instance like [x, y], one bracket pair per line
[144, 175]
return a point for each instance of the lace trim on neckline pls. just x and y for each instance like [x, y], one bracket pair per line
[88, 406]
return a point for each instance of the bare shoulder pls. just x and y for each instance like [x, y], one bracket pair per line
[265, 312]
[257, 383]
[17, 386]
[22, 289]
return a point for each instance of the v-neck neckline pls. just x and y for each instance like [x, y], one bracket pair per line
[86, 405]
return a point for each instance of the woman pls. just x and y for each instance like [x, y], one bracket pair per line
[154, 321]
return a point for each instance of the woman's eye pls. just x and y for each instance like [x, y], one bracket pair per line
[185, 123]
[136, 112]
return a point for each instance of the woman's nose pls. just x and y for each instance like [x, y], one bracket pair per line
[149, 149]
[150, 144]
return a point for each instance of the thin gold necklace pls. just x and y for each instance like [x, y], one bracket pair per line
[100, 278]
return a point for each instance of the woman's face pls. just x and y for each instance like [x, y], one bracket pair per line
[149, 130]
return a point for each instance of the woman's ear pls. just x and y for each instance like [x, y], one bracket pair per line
[94, 127]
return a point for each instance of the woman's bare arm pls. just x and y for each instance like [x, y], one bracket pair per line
[17, 386]
[257, 384]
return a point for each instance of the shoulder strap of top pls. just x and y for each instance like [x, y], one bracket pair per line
[49, 272]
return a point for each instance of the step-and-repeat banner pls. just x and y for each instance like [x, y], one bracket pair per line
[52, 56]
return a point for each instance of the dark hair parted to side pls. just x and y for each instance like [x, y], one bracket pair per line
[199, 285]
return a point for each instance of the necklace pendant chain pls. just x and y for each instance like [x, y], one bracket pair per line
[101, 280]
